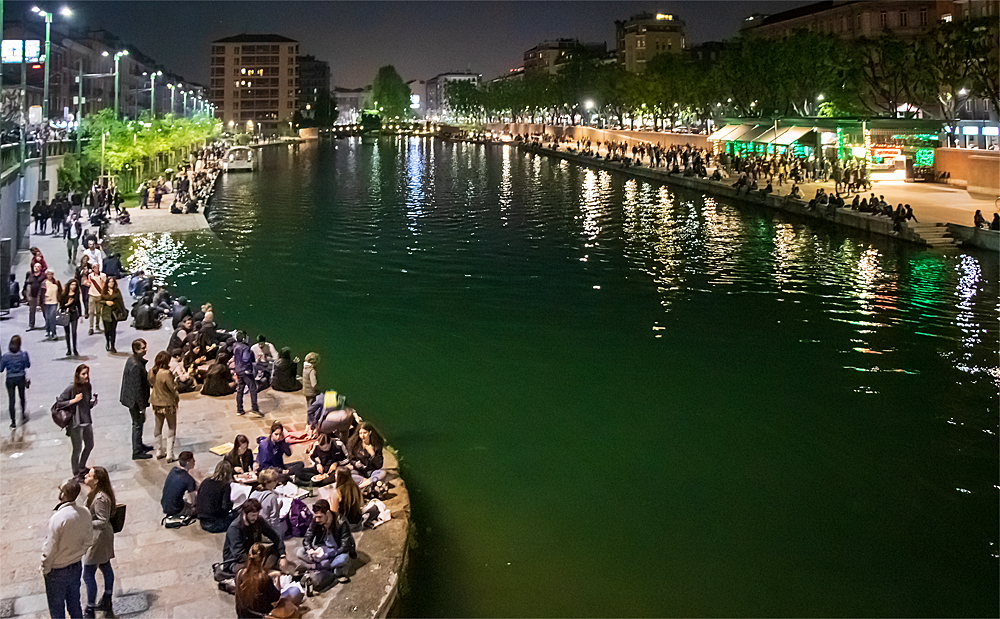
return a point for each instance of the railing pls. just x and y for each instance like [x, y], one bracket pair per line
[10, 154]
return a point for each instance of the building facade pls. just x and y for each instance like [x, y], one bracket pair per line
[350, 102]
[255, 82]
[549, 56]
[314, 83]
[647, 35]
[436, 103]
[868, 18]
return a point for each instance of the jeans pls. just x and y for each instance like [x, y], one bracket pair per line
[18, 383]
[49, 312]
[82, 438]
[32, 305]
[337, 564]
[90, 579]
[71, 247]
[375, 476]
[62, 590]
[110, 333]
[70, 330]
[138, 420]
[246, 382]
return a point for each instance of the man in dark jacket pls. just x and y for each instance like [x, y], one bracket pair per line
[243, 361]
[135, 396]
[145, 315]
[181, 310]
[248, 529]
[328, 546]
[32, 292]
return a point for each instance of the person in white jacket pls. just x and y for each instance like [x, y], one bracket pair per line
[70, 535]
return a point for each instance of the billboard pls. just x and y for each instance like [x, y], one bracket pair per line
[10, 50]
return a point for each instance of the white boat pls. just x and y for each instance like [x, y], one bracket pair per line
[239, 158]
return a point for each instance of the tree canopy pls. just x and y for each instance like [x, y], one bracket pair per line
[390, 94]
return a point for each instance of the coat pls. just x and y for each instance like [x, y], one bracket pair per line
[103, 548]
[164, 391]
[117, 306]
[135, 384]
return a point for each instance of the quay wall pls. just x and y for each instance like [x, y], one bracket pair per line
[845, 217]
[603, 135]
[978, 171]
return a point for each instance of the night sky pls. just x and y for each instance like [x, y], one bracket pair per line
[421, 39]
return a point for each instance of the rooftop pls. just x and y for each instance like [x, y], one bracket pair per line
[256, 38]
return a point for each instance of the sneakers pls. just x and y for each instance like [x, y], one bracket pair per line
[258, 413]
[307, 584]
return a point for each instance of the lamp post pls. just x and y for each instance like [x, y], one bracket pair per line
[118, 56]
[45, 92]
[185, 94]
[152, 93]
[173, 91]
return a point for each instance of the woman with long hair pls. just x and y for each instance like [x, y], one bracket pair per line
[51, 291]
[365, 450]
[112, 310]
[240, 456]
[80, 397]
[163, 397]
[270, 504]
[348, 495]
[214, 506]
[101, 503]
[69, 302]
[16, 363]
[255, 590]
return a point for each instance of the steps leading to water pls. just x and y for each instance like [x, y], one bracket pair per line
[934, 235]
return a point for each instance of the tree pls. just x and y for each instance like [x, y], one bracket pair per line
[390, 93]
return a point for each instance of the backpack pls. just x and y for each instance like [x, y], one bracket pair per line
[299, 518]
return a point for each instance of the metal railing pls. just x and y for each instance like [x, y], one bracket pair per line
[10, 154]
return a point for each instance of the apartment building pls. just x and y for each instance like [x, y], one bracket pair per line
[255, 82]
[646, 35]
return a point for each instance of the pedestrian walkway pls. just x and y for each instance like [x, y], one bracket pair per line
[158, 572]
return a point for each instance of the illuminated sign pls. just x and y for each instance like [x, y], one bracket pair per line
[967, 130]
[666, 17]
[887, 152]
[10, 50]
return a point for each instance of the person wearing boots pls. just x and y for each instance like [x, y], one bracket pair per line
[101, 503]
[164, 398]
[135, 396]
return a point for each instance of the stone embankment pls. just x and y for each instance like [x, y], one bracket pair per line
[159, 573]
[932, 233]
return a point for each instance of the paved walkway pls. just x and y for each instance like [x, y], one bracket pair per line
[158, 572]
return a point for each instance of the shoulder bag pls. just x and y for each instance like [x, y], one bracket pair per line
[62, 414]
[62, 318]
[117, 519]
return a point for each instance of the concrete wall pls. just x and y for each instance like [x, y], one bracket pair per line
[9, 195]
[976, 170]
[603, 135]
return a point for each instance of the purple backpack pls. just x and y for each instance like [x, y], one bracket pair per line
[299, 518]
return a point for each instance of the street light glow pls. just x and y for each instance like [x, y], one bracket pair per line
[65, 12]
[104, 53]
[588, 104]
[35, 9]
[820, 98]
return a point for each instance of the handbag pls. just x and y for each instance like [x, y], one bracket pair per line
[118, 314]
[117, 519]
[62, 414]
[62, 318]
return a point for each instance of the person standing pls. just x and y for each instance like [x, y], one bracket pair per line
[73, 230]
[51, 291]
[101, 503]
[95, 280]
[164, 398]
[83, 278]
[135, 396]
[70, 533]
[33, 291]
[112, 311]
[16, 363]
[243, 360]
[93, 253]
[80, 430]
[309, 382]
[69, 302]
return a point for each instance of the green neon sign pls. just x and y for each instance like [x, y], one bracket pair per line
[924, 157]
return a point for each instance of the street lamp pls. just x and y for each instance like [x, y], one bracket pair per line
[152, 93]
[118, 56]
[173, 91]
[45, 89]
[185, 93]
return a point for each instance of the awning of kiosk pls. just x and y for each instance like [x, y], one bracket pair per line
[745, 133]
[794, 134]
[723, 133]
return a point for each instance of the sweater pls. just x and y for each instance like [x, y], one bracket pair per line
[164, 389]
[70, 533]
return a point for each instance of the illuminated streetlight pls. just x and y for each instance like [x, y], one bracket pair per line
[45, 94]
[118, 56]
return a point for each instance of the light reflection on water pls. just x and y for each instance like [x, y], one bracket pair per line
[560, 351]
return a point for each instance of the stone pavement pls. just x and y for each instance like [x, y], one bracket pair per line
[158, 572]
[159, 220]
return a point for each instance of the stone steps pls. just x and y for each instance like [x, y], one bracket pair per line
[934, 235]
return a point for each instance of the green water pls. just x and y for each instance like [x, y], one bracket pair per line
[616, 399]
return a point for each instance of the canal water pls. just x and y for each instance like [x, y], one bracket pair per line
[613, 398]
